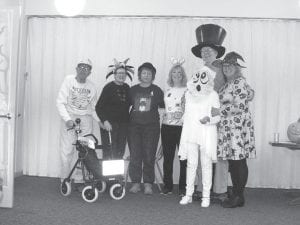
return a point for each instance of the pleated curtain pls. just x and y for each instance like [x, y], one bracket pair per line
[270, 49]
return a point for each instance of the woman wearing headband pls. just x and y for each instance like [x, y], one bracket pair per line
[172, 126]
[113, 110]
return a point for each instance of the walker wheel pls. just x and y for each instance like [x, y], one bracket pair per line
[90, 194]
[101, 186]
[65, 188]
[117, 191]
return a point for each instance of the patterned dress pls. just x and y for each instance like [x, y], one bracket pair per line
[236, 132]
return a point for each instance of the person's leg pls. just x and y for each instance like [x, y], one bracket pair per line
[105, 143]
[135, 149]
[182, 177]
[206, 166]
[235, 199]
[192, 162]
[169, 147]
[67, 150]
[242, 177]
[183, 163]
[86, 126]
[122, 139]
[220, 177]
[199, 175]
[150, 139]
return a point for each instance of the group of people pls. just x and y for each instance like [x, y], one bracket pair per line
[207, 116]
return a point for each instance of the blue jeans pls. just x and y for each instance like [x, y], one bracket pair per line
[142, 142]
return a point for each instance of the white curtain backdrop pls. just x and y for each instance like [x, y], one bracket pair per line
[269, 47]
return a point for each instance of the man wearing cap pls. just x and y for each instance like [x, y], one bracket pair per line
[76, 99]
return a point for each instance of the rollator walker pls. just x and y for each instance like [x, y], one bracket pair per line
[96, 172]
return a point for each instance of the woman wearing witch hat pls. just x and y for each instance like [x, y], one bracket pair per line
[236, 132]
[113, 110]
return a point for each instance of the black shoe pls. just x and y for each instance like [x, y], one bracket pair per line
[197, 196]
[181, 192]
[233, 202]
[166, 191]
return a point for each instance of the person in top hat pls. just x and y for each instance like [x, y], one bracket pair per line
[144, 128]
[113, 110]
[236, 132]
[77, 98]
[210, 38]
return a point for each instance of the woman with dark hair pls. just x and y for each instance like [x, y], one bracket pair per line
[144, 128]
[236, 131]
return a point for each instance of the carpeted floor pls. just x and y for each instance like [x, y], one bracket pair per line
[38, 202]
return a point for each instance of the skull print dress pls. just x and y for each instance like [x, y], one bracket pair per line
[236, 131]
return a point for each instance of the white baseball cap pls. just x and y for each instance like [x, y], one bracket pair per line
[86, 61]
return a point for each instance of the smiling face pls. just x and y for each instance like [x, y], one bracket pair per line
[120, 76]
[229, 70]
[83, 71]
[177, 76]
[208, 55]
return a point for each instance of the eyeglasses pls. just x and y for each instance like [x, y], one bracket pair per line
[84, 67]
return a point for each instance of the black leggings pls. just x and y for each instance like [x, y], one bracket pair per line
[239, 175]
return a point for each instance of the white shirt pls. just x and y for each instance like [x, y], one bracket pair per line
[76, 98]
[173, 107]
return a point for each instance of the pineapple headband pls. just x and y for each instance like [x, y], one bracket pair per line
[128, 69]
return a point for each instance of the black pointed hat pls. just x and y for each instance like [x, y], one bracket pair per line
[230, 58]
[211, 35]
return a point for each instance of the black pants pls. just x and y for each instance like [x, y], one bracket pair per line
[170, 138]
[142, 142]
[116, 149]
[239, 175]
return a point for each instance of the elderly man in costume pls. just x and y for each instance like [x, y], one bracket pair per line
[76, 99]
[199, 132]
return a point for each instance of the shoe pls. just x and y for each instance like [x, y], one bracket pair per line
[148, 189]
[166, 191]
[197, 195]
[186, 200]
[181, 192]
[233, 202]
[219, 197]
[205, 202]
[136, 187]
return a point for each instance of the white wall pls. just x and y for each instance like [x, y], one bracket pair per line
[202, 8]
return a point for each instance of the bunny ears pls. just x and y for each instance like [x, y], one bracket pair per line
[177, 62]
[128, 69]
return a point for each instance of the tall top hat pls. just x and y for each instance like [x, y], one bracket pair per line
[210, 35]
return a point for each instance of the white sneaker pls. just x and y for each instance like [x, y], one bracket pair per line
[205, 202]
[186, 200]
